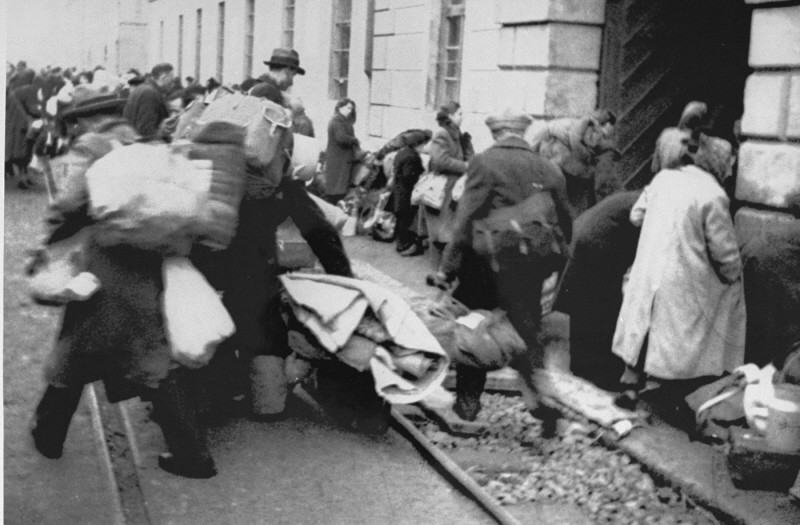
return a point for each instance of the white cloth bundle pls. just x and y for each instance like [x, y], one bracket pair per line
[148, 196]
[194, 317]
[331, 307]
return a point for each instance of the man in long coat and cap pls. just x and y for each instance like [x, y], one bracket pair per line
[506, 174]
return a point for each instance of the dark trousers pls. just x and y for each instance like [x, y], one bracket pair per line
[404, 214]
[173, 410]
[515, 288]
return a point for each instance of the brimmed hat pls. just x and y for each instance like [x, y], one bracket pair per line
[87, 102]
[285, 57]
[509, 119]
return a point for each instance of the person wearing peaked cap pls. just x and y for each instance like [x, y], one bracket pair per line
[515, 121]
[507, 176]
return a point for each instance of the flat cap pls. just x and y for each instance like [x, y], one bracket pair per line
[511, 119]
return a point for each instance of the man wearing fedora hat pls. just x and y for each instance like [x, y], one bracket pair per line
[506, 175]
[284, 64]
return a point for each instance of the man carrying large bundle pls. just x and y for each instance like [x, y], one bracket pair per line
[247, 272]
[118, 333]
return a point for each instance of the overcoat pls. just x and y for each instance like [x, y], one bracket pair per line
[146, 108]
[505, 174]
[685, 292]
[449, 158]
[118, 334]
[22, 108]
[339, 155]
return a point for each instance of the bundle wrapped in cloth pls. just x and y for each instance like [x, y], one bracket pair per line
[367, 326]
[154, 196]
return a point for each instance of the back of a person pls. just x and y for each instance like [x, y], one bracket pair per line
[676, 207]
[518, 172]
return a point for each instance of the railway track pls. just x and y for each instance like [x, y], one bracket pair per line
[301, 471]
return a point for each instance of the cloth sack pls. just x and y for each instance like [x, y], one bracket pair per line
[478, 338]
[148, 196]
[429, 190]
[738, 399]
[194, 317]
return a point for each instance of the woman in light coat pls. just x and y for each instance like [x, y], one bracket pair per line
[451, 151]
[683, 314]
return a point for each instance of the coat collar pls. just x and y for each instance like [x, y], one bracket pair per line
[512, 143]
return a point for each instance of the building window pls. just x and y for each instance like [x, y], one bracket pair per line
[287, 39]
[448, 78]
[220, 41]
[198, 44]
[249, 30]
[161, 42]
[180, 46]
[340, 49]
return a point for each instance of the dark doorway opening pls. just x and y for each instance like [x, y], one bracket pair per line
[658, 55]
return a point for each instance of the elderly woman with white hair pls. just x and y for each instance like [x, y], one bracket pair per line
[683, 313]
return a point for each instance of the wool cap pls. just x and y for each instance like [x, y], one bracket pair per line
[286, 57]
[510, 119]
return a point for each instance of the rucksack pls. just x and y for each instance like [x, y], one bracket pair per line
[528, 226]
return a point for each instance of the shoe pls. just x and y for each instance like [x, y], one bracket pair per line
[628, 400]
[413, 251]
[549, 417]
[46, 446]
[203, 469]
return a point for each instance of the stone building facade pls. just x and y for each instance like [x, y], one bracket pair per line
[643, 59]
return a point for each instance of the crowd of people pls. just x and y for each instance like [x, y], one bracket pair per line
[652, 279]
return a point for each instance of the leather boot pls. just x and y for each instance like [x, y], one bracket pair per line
[268, 387]
[469, 387]
[52, 418]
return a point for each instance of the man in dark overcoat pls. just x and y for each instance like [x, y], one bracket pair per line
[147, 105]
[504, 175]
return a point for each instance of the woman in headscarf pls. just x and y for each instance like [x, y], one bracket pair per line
[451, 151]
[340, 155]
[683, 312]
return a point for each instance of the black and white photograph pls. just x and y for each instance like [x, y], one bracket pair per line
[401, 262]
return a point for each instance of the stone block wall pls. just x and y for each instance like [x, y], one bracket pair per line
[541, 56]
[768, 182]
